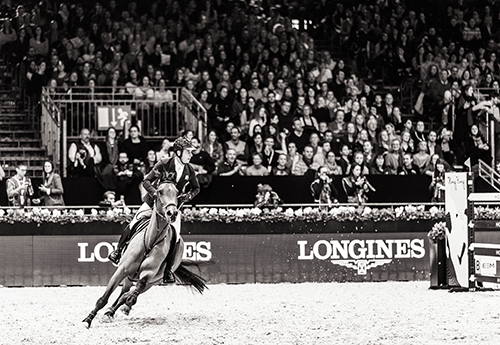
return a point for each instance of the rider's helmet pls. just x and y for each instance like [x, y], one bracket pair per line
[182, 143]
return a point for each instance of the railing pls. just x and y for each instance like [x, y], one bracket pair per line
[51, 128]
[195, 115]
[155, 111]
[489, 174]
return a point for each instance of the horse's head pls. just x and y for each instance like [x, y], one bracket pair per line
[166, 201]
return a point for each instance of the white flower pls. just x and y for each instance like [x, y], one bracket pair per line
[2, 212]
[118, 210]
[351, 209]
[213, 211]
[93, 212]
[399, 211]
[36, 211]
[298, 212]
[434, 210]
[223, 212]
[45, 212]
[335, 211]
[289, 212]
[110, 214]
[127, 211]
[279, 209]
[79, 213]
[10, 211]
[307, 210]
[56, 213]
[203, 210]
[367, 211]
[240, 213]
[256, 211]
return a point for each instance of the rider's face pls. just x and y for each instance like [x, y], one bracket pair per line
[186, 156]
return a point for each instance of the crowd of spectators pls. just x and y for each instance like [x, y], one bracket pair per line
[276, 104]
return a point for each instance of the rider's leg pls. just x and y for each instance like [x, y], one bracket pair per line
[168, 276]
[115, 255]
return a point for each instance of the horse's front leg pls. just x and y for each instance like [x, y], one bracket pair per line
[119, 301]
[101, 302]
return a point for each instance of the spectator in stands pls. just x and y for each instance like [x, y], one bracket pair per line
[256, 169]
[298, 136]
[220, 112]
[281, 168]
[126, 173]
[394, 158]
[323, 189]
[51, 189]
[150, 162]
[7, 36]
[408, 167]
[230, 166]
[269, 154]
[356, 186]
[19, 187]
[83, 156]
[241, 148]
[437, 186]
[476, 147]
[109, 200]
[203, 163]
[306, 165]
[260, 118]
[214, 148]
[422, 157]
[136, 147]
[39, 43]
[378, 166]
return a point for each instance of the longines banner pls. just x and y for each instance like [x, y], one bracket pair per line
[257, 258]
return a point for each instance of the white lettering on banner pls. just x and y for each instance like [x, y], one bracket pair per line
[198, 251]
[362, 254]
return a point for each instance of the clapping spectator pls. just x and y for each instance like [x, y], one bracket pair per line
[229, 166]
[51, 190]
[83, 156]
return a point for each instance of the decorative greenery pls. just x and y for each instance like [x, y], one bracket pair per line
[225, 215]
[438, 232]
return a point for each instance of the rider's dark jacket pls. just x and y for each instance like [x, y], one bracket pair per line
[163, 171]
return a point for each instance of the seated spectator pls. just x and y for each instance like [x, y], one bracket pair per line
[281, 168]
[19, 187]
[110, 200]
[394, 158]
[298, 136]
[323, 189]
[306, 165]
[214, 148]
[331, 164]
[338, 126]
[83, 156]
[256, 145]
[203, 164]
[220, 112]
[421, 158]
[51, 189]
[476, 147]
[151, 160]
[309, 122]
[407, 144]
[408, 167]
[229, 166]
[378, 166]
[241, 148]
[136, 147]
[292, 156]
[260, 119]
[345, 158]
[448, 146]
[256, 169]
[269, 154]
[432, 145]
[126, 173]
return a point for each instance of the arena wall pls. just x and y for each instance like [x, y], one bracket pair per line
[76, 254]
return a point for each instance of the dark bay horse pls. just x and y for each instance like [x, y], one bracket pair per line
[144, 257]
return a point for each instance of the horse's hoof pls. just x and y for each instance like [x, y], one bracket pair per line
[86, 323]
[110, 314]
[125, 309]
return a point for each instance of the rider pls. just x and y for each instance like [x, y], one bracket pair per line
[176, 169]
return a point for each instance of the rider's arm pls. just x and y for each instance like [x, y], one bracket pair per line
[194, 187]
[150, 178]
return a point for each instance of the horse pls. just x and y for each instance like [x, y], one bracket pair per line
[145, 257]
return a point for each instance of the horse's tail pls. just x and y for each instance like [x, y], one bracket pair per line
[190, 278]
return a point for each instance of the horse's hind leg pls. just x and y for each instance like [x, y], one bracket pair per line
[119, 301]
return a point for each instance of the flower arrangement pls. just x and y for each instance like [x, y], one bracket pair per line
[64, 216]
[438, 232]
[227, 215]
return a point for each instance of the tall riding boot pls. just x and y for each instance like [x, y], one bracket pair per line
[168, 276]
[115, 255]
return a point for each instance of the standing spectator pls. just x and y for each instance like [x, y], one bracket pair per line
[126, 172]
[51, 190]
[83, 156]
[323, 189]
[203, 164]
[19, 187]
[136, 147]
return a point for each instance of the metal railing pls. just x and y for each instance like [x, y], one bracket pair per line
[489, 174]
[195, 114]
[51, 128]
[155, 111]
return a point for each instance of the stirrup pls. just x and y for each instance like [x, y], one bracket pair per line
[114, 256]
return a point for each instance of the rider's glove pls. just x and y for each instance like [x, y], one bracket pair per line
[182, 198]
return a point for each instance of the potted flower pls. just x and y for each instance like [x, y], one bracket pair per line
[437, 255]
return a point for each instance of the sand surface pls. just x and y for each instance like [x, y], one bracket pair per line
[392, 313]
